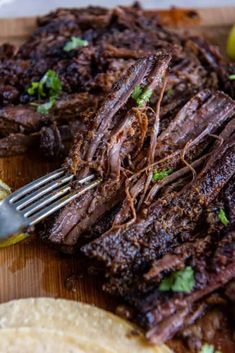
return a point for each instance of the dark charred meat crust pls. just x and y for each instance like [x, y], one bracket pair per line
[117, 38]
[151, 113]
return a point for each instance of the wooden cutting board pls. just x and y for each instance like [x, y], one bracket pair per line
[32, 269]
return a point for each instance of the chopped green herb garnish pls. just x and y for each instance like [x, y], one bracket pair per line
[159, 175]
[144, 97]
[75, 42]
[35, 88]
[232, 77]
[207, 348]
[230, 47]
[49, 86]
[179, 281]
[141, 96]
[52, 82]
[45, 107]
[222, 217]
[136, 92]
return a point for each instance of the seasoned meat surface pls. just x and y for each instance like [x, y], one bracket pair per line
[150, 112]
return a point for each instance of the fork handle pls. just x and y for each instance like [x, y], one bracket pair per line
[11, 222]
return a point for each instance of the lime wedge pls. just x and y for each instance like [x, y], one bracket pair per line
[231, 44]
[16, 238]
[13, 240]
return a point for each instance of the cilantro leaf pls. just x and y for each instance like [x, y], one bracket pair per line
[179, 281]
[144, 97]
[49, 86]
[166, 284]
[232, 77]
[230, 47]
[45, 107]
[52, 82]
[75, 42]
[141, 96]
[136, 92]
[33, 89]
[207, 348]
[161, 174]
[222, 217]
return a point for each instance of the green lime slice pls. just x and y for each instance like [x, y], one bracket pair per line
[16, 238]
[13, 240]
[231, 44]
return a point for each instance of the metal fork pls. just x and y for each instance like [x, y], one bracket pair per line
[39, 199]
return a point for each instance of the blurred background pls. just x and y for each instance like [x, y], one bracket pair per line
[22, 8]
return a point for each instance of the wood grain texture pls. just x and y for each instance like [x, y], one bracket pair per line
[32, 269]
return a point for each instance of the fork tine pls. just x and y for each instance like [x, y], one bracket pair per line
[22, 203]
[42, 191]
[86, 179]
[35, 184]
[46, 200]
[61, 203]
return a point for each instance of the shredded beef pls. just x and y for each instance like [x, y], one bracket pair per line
[166, 157]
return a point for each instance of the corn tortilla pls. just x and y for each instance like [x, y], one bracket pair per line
[91, 326]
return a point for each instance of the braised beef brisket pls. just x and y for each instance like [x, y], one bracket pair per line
[150, 112]
[169, 222]
[116, 39]
[122, 133]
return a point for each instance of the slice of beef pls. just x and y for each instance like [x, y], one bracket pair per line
[15, 144]
[71, 114]
[195, 120]
[138, 73]
[189, 131]
[116, 121]
[154, 229]
[224, 202]
[52, 141]
[176, 258]
[20, 119]
[165, 313]
[81, 107]
[210, 57]
[117, 38]
[215, 328]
